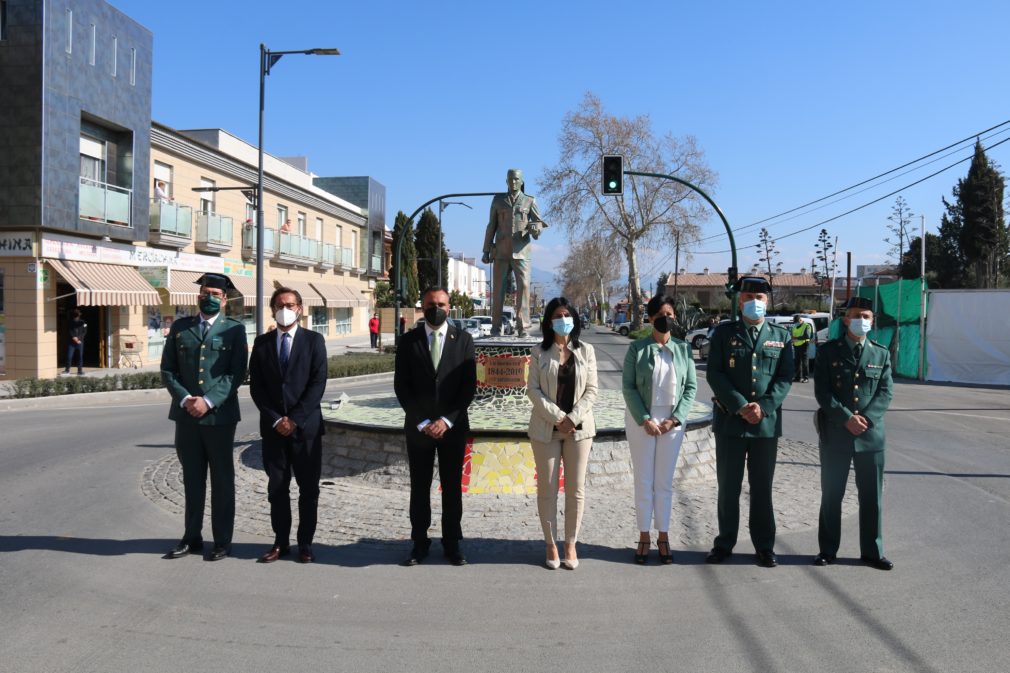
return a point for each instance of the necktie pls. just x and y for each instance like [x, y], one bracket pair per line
[285, 351]
[436, 353]
[858, 351]
[754, 334]
[205, 327]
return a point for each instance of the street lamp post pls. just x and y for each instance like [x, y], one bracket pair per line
[267, 61]
[442, 205]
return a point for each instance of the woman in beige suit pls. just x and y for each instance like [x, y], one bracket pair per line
[563, 386]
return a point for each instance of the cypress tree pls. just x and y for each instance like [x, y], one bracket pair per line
[409, 259]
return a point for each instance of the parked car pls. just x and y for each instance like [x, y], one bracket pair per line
[471, 326]
[622, 328]
[485, 324]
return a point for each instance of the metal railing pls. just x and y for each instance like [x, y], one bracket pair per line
[293, 245]
[103, 202]
[172, 218]
[214, 229]
[269, 240]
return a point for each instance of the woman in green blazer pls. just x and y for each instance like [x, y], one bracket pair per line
[659, 386]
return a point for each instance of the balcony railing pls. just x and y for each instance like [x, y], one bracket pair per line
[213, 232]
[249, 242]
[102, 202]
[298, 249]
[346, 258]
[329, 256]
[171, 223]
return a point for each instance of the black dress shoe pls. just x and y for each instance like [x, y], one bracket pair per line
[718, 555]
[305, 554]
[455, 555]
[184, 549]
[823, 559]
[274, 553]
[418, 553]
[767, 559]
[881, 563]
[219, 552]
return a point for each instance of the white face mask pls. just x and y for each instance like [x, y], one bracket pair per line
[285, 317]
[860, 326]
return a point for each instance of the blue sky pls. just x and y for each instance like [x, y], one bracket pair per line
[790, 101]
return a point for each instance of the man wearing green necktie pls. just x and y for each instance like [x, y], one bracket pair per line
[852, 383]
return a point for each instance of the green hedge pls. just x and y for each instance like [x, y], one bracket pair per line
[339, 366]
[356, 364]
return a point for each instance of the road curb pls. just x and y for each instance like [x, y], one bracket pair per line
[154, 394]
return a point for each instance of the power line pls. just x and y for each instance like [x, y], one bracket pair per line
[865, 205]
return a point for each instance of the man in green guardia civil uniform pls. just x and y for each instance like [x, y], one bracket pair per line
[202, 365]
[852, 383]
[750, 370]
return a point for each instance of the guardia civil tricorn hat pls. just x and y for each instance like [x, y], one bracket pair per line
[753, 284]
[216, 280]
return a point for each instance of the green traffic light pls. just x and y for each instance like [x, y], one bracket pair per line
[612, 184]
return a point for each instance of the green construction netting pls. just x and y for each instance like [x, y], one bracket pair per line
[885, 300]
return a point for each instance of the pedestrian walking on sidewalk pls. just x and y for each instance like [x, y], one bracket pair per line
[373, 330]
[78, 330]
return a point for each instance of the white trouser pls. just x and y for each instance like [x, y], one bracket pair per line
[653, 460]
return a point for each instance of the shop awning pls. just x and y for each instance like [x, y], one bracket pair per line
[106, 284]
[339, 296]
[182, 287]
[310, 298]
[247, 286]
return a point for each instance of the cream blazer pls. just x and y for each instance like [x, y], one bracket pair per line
[542, 389]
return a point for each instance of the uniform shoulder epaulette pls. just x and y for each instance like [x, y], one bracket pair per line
[878, 345]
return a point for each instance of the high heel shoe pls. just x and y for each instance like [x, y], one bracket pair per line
[640, 557]
[552, 564]
[666, 558]
[571, 563]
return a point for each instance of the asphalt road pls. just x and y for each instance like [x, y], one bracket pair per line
[83, 586]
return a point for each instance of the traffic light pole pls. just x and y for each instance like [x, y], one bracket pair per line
[398, 255]
[732, 275]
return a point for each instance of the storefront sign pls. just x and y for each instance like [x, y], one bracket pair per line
[17, 244]
[56, 246]
[157, 276]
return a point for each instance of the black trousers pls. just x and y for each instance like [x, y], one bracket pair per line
[421, 452]
[283, 456]
[801, 363]
[200, 447]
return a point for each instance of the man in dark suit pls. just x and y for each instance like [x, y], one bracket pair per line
[435, 381]
[202, 365]
[287, 377]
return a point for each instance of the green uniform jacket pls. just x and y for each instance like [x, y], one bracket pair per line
[844, 386]
[741, 372]
[213, 368]
[636, 381]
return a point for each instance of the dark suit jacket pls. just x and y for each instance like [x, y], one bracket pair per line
[426, 394]
[214, 367]
[298, 393]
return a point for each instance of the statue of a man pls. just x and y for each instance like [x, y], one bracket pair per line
[514, 222]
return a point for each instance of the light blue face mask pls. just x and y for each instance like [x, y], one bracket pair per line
[860, 326]
[563, 326]
[754, 309]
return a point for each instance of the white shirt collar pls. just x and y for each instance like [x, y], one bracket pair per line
[442, 331]
[210, 319]
[291, 332]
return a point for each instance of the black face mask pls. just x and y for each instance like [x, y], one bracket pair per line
[435, 316]
[663, 324]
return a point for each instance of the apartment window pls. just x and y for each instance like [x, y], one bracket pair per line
[164, 186]
[115, 54]
[340, 236]
[355, 252]
[301, 225]
[283, 223]
[70, 31]
[93, 46]
[133, 67]
[319, 228]
[207, 198]
[93, 159]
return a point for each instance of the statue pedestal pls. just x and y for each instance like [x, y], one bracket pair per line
[364, 436]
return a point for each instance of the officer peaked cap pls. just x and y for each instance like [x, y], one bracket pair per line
[859, 302]
[753, 284]
[216, 280]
